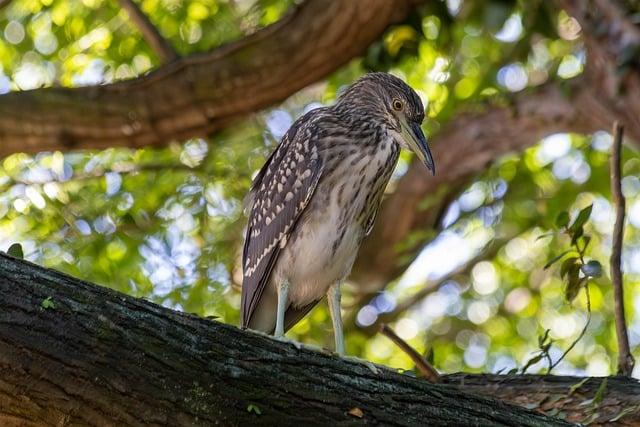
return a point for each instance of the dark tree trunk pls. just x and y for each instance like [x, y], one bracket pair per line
[76, 353]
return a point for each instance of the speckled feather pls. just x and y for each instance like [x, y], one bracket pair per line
[279, 194]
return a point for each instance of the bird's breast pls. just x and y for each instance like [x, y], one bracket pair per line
[324, 245]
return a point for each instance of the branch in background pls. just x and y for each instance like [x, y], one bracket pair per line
[202, 93]
[423, 366]
[625, 359]
[150, 32]
[4, 3]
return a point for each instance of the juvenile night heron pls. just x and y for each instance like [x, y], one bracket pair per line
[316, 198]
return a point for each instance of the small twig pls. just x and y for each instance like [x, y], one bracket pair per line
[150, 32]
[423, 366]
[4, 3]
[584, 330]
[625, 359]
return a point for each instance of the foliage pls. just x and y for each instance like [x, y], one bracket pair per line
[166, 224]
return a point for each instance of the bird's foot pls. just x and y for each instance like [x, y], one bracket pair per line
[284, 339]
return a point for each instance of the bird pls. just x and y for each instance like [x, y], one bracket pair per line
[316, 198]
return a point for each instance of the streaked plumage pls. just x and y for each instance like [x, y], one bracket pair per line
[316, 198]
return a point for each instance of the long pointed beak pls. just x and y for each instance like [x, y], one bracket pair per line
[419, 145]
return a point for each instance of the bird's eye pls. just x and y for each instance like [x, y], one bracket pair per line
[397, 105]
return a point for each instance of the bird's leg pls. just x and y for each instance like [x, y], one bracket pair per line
[283, 292]
[333, 296]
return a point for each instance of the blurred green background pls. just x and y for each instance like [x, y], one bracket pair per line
[166, 224]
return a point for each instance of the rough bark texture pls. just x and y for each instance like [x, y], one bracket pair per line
[199, 94]
[76, 353]
[572, 398]
[609, 90]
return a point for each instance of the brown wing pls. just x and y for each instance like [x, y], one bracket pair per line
[279, 195]
[294, 315]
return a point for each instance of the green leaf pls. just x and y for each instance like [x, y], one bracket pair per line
[15, 251]
[576, 234]
[47, 303]
[592, 269]
[562, 220]
[251, 408]
[574, 283]
[567, 264]
[585, 242]
[542, 339]
[535, 359]
[430, 356]
[556, 259]
[581, 219]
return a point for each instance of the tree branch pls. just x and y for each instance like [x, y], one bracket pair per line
[552, 394]
[201, 93]
[76, 353]
[423, 366]
[150, 32]
[625, 359]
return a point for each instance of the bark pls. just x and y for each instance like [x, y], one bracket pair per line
[76, 353]
[573, 398]
[202, 93]
[609, 90]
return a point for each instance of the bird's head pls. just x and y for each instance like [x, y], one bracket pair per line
[389, 100]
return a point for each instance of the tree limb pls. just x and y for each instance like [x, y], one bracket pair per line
[76, 353]
[150, 32]
[625, 359]
[552, 394]
[201, 93]
[425, 369]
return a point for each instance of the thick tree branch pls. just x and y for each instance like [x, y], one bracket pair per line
[551, 394]
[202, 93]
[625, 359]
[150, 32]
[76, 353]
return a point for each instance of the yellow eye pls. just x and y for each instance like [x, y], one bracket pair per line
[397, 105]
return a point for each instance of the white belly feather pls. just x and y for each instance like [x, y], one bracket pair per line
[309, 262]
